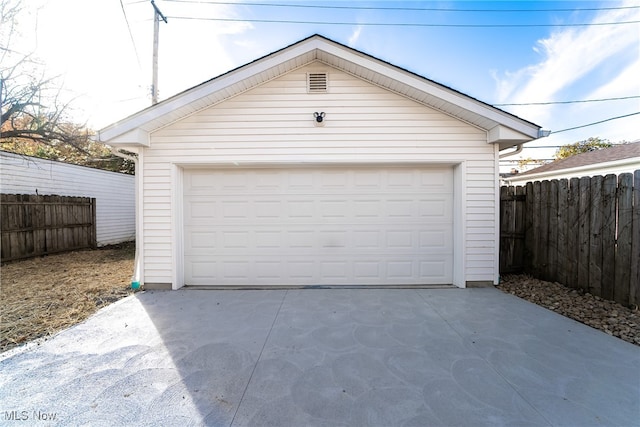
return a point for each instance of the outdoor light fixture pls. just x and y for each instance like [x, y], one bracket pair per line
[319, 117]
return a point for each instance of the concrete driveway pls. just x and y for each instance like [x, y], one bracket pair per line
[339, 357]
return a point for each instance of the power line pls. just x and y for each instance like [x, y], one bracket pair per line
[135, 49]
[569, 102]
[519, 160]
[426, 9]
[596, 123]
[402, 24]
[558, 146]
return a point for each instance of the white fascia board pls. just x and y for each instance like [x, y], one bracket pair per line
[135, 137]
[433, 89]
[506, 137]
[180, 105]
[173, 106]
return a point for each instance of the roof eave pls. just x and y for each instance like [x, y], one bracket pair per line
[575, 170]
[512, 130]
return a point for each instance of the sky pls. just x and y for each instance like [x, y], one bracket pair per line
[522, 52]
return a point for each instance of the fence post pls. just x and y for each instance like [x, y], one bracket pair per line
[94, 224]
[623, 252]
[562, 260]
[609, 189]
[634, 291]
[595, 237]
[584, 201]
[519, 227]
[529, 235]
[542, 247]
[572, 236]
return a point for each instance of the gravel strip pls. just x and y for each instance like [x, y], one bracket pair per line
[607, 316]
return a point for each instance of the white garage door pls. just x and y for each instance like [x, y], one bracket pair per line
[318, 226]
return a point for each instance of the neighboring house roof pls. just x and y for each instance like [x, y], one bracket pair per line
[503, 128]
[598, 162]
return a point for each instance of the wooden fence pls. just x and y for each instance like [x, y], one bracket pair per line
[582, 232]
[39, 225]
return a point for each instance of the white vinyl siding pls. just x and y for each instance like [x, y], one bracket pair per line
[114, 192]
[274, 124]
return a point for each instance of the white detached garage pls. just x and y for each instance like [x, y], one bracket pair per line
[318, 165]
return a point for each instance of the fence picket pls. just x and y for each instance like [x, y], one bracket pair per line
[583, 232]
[519, 227]
[609, 188]
[595, 237]
[572, 236]
[634, 290]
[543, 229]
[562, 260]
[506, 228]
[552, 248]
[34, 225]
[584, 202]
[623, 250]
[529, 235]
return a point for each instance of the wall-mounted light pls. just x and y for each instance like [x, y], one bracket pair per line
[319, 117]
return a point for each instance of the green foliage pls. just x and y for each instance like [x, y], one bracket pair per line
[590, 144]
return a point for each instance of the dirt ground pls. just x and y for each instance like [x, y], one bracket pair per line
[42, 296]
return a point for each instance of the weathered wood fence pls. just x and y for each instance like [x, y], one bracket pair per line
[39, 225]
[582, 232]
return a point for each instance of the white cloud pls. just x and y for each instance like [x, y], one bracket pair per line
[570, 56]
[577, 64]
[353, 39]
[626, 83]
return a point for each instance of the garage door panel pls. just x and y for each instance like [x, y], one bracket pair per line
[318, 226]
[201, 240]
[325, 238]
[303, 271]
[204, 210]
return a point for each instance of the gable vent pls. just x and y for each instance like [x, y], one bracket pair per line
[317, 82]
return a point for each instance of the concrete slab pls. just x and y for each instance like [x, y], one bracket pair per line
[334, 357]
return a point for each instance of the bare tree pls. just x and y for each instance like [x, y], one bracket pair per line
[31, 103]
[35, 117]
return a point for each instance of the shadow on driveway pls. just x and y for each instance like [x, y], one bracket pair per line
[378, 357]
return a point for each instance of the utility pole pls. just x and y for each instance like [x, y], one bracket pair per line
[157, 16]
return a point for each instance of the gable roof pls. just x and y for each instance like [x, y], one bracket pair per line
[591, 158]
[502, 127]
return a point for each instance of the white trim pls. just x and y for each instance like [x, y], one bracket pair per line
[177, 226]
[459, 207]
[502, 134]
[139, 202]
[496, 215]
[578, 171]
[431, 88]
[459, 225]
[201, 91]
[193, 99]
[136, 136]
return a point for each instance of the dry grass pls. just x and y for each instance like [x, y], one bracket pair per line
[41, 296]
